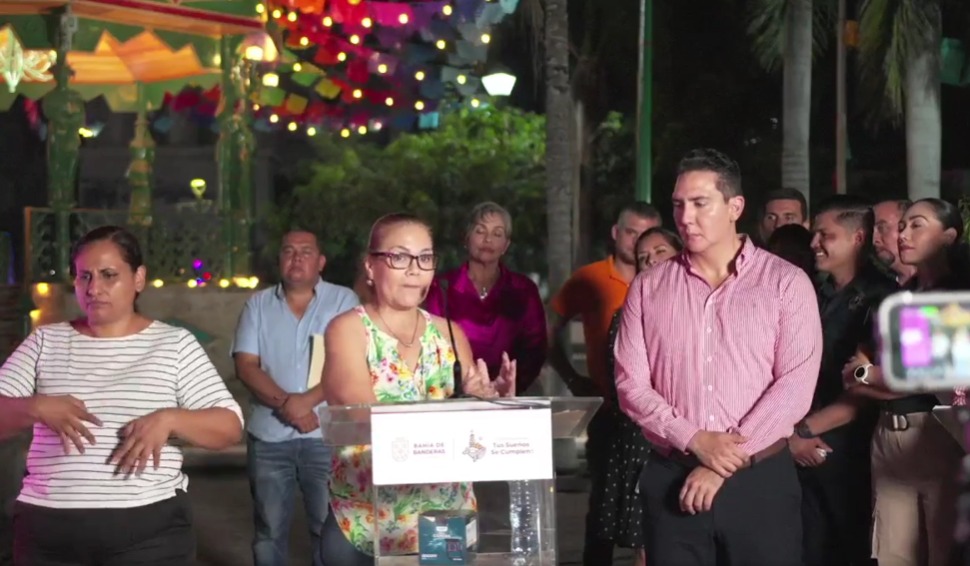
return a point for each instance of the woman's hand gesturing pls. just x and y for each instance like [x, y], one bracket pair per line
[66, 416]
[504, 384]
[141, 439]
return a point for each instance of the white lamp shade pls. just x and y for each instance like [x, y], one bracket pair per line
[499, 84]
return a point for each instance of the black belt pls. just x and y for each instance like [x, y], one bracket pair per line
[910, 405]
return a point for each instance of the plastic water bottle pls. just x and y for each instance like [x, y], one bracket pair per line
[524, 514]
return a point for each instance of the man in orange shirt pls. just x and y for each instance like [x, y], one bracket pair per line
[593, 294]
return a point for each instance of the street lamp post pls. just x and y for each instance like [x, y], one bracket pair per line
[645, 105]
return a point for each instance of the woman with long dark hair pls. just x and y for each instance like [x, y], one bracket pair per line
[915, 461]
[621, 511]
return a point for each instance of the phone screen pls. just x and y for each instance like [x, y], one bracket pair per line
[928, 344]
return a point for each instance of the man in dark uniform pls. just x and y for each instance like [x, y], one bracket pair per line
[831, 445]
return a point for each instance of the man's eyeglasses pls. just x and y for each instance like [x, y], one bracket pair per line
[401, 260]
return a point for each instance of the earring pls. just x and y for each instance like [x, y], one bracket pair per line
[370, 282]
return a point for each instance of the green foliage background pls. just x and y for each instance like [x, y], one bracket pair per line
[475, 155]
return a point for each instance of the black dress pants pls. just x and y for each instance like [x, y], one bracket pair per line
[159, 534]
[837, 512]
[755, 519]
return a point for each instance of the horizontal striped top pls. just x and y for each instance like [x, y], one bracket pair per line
[119, 380]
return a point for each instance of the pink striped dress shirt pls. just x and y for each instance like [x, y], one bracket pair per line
[742, 358]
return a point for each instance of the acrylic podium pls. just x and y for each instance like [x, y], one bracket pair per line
[467, 440]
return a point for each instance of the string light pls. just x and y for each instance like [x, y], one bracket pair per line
[43, 289]
[271, 80]
[389, 101]
[297, 67]
[447, 10]
[382, 68]
[486, 38]
[362, 130]
[403, 18]
[260, 9]
[367, 23]
[291, 16]
[256, 107]
[328, 21]
[378, 126]
[273, 118]
[419, 105]
[462, 79]
[223, 283]
[441, 44]
[311, 131]
[419, 76]
[358, 93]
[291, 127]
[277, 14]
[304, 41]
[341, 56]
[345, 133]
[476, 103]
[355, 39]
[192, 283]
[158, 283]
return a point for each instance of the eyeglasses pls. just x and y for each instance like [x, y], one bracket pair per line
[401, 260]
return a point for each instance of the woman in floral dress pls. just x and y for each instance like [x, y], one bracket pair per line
[390, 351]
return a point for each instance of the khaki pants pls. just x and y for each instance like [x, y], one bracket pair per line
[915, 479]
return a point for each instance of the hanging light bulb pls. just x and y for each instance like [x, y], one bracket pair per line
[341, 56]
[327, 21]
[273, 118]
[486, 38]
[277, 13]
[419, 76]
[311, 131]
[304, 41]
[404, 19]
[292, 127]
[355, 39]
[260, 9]
[441, 44]
[362, 130]
[419, 105]
[291, 16]
[358, 93]
[476, 103]
[447, 10]
[345, 133]
[271, 80]
[382, 68]
[256, 107]
[367, 23]
[297, 67]
[462, 79]
[389, 101]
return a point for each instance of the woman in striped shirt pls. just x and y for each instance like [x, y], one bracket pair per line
[104, 395]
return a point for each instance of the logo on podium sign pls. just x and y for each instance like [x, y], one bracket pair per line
[475, 449]
[400, 449]
[423, 444]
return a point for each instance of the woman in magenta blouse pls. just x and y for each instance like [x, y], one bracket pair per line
[499, 310]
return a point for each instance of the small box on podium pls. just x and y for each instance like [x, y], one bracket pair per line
[447, 537]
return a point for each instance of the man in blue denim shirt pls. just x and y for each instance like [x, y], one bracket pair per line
[272, 355]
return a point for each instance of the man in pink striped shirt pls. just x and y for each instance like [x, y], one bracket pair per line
[717, 357]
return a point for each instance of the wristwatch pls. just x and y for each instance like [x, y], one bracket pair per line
[803, 431]
[861, 374]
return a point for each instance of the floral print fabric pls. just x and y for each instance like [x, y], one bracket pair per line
[351, 489]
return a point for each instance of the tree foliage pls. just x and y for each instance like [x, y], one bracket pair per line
[491, 153]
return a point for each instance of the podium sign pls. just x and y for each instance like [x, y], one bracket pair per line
[442, 446]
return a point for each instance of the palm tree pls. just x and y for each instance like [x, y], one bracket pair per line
[787, 33]
[899, 56]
